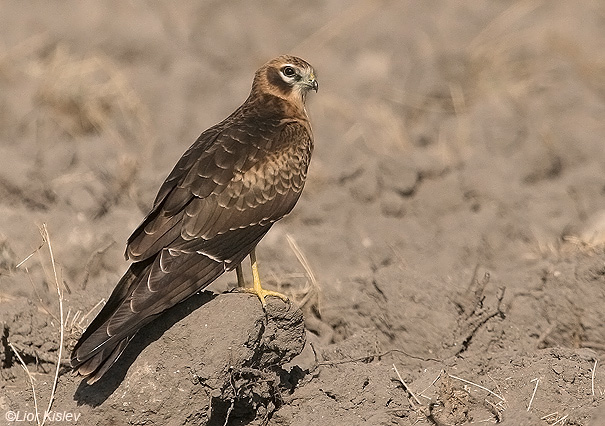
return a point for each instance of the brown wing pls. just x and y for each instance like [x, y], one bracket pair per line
[218, 202]
[238, 181]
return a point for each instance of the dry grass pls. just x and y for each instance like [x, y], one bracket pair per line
[309, 295]
[406, 387]
[46, 238]
[91, 94]
[54, 277]
[31, 380]
[78, 95]
[82, 94]
[453, 400]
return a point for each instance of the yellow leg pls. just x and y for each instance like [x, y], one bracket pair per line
[240, 276]
[257, 288]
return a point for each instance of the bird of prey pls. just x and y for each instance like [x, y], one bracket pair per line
[223, 195]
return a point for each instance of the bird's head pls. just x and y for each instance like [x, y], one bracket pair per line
[287, 77]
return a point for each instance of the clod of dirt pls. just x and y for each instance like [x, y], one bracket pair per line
[202, 364]
[31, 331]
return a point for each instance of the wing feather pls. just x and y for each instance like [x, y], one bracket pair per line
[214, 192]
[217, 203]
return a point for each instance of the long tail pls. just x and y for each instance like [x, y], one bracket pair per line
[146, 290]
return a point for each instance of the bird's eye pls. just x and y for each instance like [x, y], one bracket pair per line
[288, 71]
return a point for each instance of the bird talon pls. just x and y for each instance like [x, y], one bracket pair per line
[261, 293]
[257, 289]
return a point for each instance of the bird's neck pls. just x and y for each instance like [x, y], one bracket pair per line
[278, 106]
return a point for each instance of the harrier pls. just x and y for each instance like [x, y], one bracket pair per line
[224, 194]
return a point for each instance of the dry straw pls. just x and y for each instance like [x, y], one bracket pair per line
[46, 241]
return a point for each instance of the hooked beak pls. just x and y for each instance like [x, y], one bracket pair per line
[312, 82]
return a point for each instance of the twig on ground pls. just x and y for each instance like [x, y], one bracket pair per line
[44, 357]
[562, 419]
[594, 368]
[496, 410]
[479, 386]
[432, 383]
[46, 238]
[495, 383]
[537, 380]
[406, 387]
[555, 414]
[375, 355]
[31, 380]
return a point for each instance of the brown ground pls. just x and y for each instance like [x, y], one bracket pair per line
[453, 225]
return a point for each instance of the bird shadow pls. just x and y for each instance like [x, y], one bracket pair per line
[97, 393]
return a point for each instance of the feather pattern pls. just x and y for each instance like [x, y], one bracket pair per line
[220, 199]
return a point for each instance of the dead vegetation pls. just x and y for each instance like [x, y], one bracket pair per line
[59, 319]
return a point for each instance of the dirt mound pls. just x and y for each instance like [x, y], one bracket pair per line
[213, 358]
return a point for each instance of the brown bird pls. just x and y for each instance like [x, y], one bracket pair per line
[224, 194]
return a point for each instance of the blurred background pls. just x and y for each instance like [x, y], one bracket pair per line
[100, 98]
